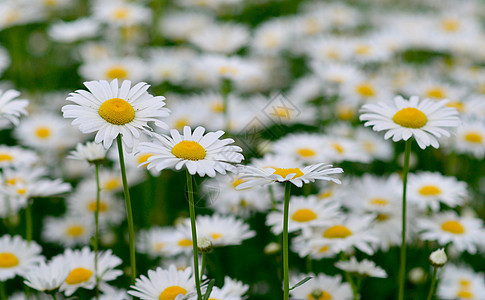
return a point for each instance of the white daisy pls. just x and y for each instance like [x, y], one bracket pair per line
[156, 241]
[81, 269]
[11, 109]
[224, 38]
[201, 154]
[110, 110]
[464, 233]
[307, 148]
[163, 284]
[17, 256]
[68, 32]
[425, 120]
[428, 189]
[90, 152]
[470, 139]
[68, 230]
[125, 68]
[46, 276]
[304, 212]
[14, 156]
[321, 287]
[363, 268]
[122, 13]
[460, 282]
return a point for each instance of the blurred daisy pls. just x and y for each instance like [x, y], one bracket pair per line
[272, 36]
[69, 32]
[15, 157]
[426, 120]
[371, 142]
[464, 233]
[110, 110]
[338, 149]
[46, 277]
[156, 241]
[11, 109]
[81, 269]
[428, 190]
[201, 154]
[90, 152]
[17, 256]
[365, 268]
[460, 282]
[305, 212]
[321, 287]
[223, 38]
[164, 284]
[68, 230]
[470, 139]
[180, 25]
[122, 13]
[307, 148]
[125, 68]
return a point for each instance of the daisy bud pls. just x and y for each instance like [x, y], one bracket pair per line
[204, 245]
[438, 258]
[417, 275]
[272, 248]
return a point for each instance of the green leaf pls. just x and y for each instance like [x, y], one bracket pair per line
[301, 282]
[209, 289]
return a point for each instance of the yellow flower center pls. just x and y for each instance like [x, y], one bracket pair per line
[159, 246]
[324, 195]
[217, 106]
[474, 137]
[337, 232]
[78, 275]
[237, 182]
[120, 13]
[382, 217]
[465, 283]
[323, 295]
[450, 25]
[283, 172]
[338, 147]
[430, 190]
[435, 92]
[226, 70]
[333, 54]
[345, 113]
[304, 215]
[323, 249]
[21, 191]
[11, 181]
[457, 105]
[143, 158]
[365, 90]
[117, 111]
[379, 201]
[172, 292]
[189, 150]
[216, 236]
[43, 132]
[75, 231]
[111, 184]
[465, 294]
[305, 152]
[5, 157]
[8, 260]
[92, 206]
[453, 226]
[410, 117]
[282, 113]
[181, 123]
[363, 49]
[185, 243]
[117, 72]
[369, 146]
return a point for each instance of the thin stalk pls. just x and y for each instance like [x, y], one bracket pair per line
[433, 283]
[96, 232]
[129, 213]
[308, 264]
[285, 241]
[190, 192]
[203, 263]
[54, 296]
[28, 221]
[3, 292]
[271, 195]
[402, 269]
[355, 289]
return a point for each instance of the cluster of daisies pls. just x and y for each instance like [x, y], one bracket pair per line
[299, 125]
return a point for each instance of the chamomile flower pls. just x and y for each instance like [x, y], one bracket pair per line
[125, 68]
[427, 189]
[321, 287]
[363, 268]
[470, 139]
[68, 32]
[110, 110]
[255, 176]
[15, 157]
[460, 282]
[46, 277]
[222, 230]
[68, 230]
[17, 256]
[305, 212]
[155, 241]
[164, 284]
[90, 152]
[122, 13]
[426, 120]
[307, 148]
[81, 269]
[464, 233]
[11, 109]
[201, 154]
[223, 38]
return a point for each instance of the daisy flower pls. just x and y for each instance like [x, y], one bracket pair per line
[111, 110]
[305, 212]
[363, 268]
[125, 68]
[46, 277]
[306, 148]
[464, 233]
[201, 154]
[164, 284]
[69, 32]
[68, 230]
[156, 241]
[321, 287]
[11, 108]
[17, 256]
[81, 269]
[15, 157]
[90, 152]
[426, 120]
[460, 282]
[428, 189]
[261, 176]
[470, 139]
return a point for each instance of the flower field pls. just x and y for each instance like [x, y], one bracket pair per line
[229, 149]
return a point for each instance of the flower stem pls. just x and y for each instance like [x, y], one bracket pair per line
[96, 232]
[28, 221]
[433, 283]
[203, 263]
[271, 194]
[3, 292]
[190, 192]
[285, 241]
[355, 289]
[402, 269]
[54, 296]
[129, 213]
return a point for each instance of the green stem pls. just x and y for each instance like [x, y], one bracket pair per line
[271, 194]
[3, 292]
[402, 269]
[433, 283]
[308, 264]
[203, 263]
[355, 290]
[190, 192]
[285, 241]
[96, 232]
[54, 296]
[28, 221]
[129, 213]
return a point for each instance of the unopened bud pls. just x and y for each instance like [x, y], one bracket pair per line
[204, 245]
[417, 275]
[272, 248]
[438, 258]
